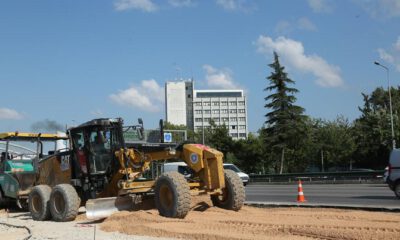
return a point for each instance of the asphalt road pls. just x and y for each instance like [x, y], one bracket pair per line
[342, 194]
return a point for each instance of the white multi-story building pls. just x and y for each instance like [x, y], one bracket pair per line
[178, 103]
[223, 107]
[196, 108]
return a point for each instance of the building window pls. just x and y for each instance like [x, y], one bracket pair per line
[207, 120]
[242, 110]
[216, 119]
[232, 103]
[232, 111]
[235, 135]
[242, 126]
[216, 111]
[197, 103]
[215, 103]
[189, 96]
[225, 119]
[206, 104]
[242, 119]
[224, 103]
[241, 103]
[242, 135]
[207, 111]
[233, 126]
[233, 119]
[198, 119]
[224, 110]
[198, 111]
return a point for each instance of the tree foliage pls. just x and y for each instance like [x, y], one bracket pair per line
[285, 120]
[308, 144]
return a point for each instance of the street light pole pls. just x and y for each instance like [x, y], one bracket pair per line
[390, 102]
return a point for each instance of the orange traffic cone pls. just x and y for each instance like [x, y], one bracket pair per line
[300, 195]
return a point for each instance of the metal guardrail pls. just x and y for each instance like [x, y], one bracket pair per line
[318, 176]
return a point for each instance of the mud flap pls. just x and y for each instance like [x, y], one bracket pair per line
[103, 207]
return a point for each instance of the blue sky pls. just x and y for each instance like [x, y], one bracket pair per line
[72, 61]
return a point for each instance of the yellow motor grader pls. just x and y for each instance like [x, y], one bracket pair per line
[102, 172]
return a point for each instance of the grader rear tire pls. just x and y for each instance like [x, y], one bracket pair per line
[233, 195]
[64, 203]
[39, 202]
[3, 200]
[172, 195]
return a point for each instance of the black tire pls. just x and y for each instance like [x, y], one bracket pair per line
[396, 190]
[3, 200]
[39, 202]
[64, 203]
[233, 195]
[172, 195]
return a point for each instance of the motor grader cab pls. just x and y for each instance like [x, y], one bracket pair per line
[103, 172]
[20, 154]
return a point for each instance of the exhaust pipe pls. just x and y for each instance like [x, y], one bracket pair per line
[103, 207]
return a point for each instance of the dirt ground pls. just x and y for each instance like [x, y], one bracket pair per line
[205, 222]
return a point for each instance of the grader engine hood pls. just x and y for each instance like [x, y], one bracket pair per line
[207, 162]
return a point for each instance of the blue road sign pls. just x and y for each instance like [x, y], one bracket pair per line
[167, 137]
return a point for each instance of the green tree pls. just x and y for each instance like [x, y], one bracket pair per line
[284, 124]
[335, 143]
[249, 154]
[372, 129]
[217, 136]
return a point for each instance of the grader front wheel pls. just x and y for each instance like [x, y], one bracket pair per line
[233, 195]
[172, 195]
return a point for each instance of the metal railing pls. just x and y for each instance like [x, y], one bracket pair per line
[357, 176]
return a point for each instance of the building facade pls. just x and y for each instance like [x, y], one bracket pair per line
[196, 108]
[227, 107]
[178, 103]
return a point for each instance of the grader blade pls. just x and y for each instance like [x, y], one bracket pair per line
[103, 207]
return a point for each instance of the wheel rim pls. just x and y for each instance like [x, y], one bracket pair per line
[59, 203]
[166, 197]
[36, 203]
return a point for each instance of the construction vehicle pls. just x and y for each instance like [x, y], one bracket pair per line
[103, 172]
[19, 153]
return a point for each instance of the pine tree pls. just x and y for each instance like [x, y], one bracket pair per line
[285, 119]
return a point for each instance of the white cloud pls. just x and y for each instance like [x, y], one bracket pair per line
[397, 44]
[144, 5]
[391, 56]
[292, 52]
[11, 114]
[284, 27]
[305, 24]
[148, 97]
[381, 8]
[219, 78]
[236, 5]
[320, 6]
[181, 3]
[228, 4]
[385, 55]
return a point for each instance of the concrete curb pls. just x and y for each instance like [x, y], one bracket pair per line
[374, 208]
